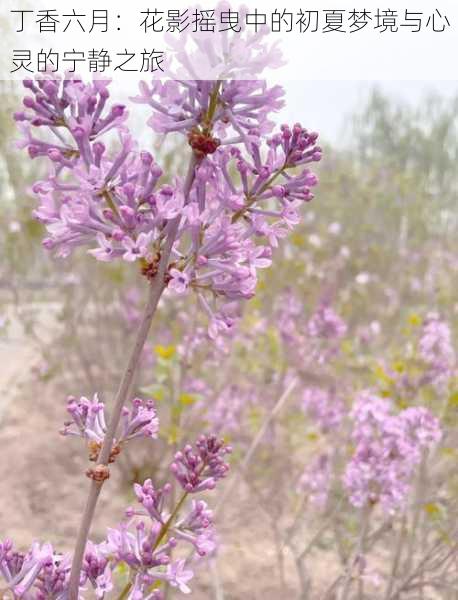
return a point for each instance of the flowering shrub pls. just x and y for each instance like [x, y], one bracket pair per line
[387, 450]
[208, 233]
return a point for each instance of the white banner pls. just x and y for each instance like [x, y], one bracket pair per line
[342, 40]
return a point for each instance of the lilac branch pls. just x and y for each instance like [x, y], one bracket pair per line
[155, 292]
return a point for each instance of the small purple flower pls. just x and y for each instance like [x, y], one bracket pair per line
[97, 570]
[178, 576]
[139, 421]
[153, 499]
[179, 281]
[105, 251]
[197, 528]
[138, 248]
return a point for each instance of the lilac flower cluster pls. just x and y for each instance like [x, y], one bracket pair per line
[200, 468]
[315, 481]
[324, 407]
[88, 421]
[388, 447]
[96, 570]
[222, 226]
[40, 569]
[326, 323]
[315, 340]
[222, 54]
[225, 218]
[146, 546]
[437, 352]
[90, 196]
[197, 529]
[179, 106]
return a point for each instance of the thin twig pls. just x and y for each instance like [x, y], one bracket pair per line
[155, 292]
[358, 553]
[216, 580]
[255, 443]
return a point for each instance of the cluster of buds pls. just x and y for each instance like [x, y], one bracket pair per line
[88, 422]
[200, 468]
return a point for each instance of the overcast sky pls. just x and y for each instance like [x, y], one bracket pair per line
[320, 105]
[324, 105]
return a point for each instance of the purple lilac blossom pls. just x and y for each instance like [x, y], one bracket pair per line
[111, 202]
[437, 352]
[388, 448]
[196, 528]
[222, 54]
[146, 539]
[88, 420]
[96, 570]
[313, 341]
[315, 481]
[326, 323]
[324, 407]
[200, 468]
[40, 570]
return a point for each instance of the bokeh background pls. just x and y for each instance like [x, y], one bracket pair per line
[378, 244]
